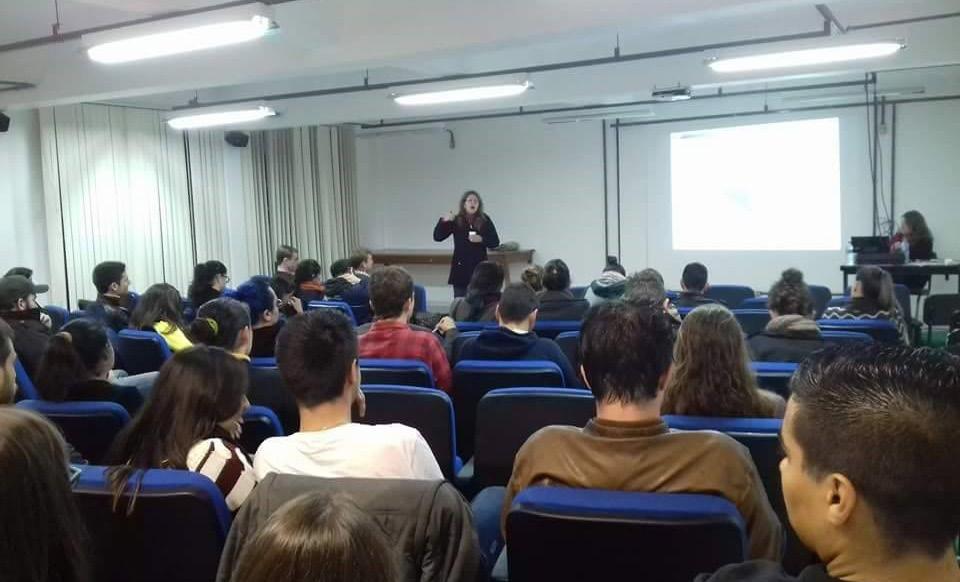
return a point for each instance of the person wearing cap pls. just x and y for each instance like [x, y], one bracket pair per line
[18, 307]
[28, 273]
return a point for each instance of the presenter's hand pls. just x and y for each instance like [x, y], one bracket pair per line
[449, 217]
[476, 238]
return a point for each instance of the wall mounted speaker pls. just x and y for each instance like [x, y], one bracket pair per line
[237, 139]
[4, 122]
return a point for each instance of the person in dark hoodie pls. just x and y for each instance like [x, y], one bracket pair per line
[514, 339]
[792, 334]
[693, 285]
[346, 286]
[557, 302]
[610, 285]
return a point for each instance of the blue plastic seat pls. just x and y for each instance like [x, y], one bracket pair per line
[684, 311]
[845, 337]
[142, 351]
[176, 530]
[731, 295]
[90, 427]
[754, 303]
[77, 314]
[58, 316]
[263, 362]
[419, 299]
[340, 305]
[752, 321]
[507, 417]
[396, 372]
[259, 424]
[821, 297]
[25, 387]
[562, 534]
[463, 326]
[426, 409]
[775, 376]
[569, 342]
[579, 292]
[472, 379]
[880, 330]
[462, 338]
[551, 329]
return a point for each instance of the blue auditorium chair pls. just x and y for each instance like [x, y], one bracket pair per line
[752, 321]
[259, 424]
[463, 326]
[58, 316]
[263, 362]
[419, 299]
[562, 534]
[396, 372]
[550, 329]
[426, 409]
[754, 303]
[731, 295]
[474, 378]
[569, 342]
[176, 530]
[458, 343]
[25, 387]
[90, 427]
[507, 417]
[142, 351]
[845, 337]
[881, 330]
[579, 292]
[821, 297]
[340, 305]
[684, 311]
[774, 376]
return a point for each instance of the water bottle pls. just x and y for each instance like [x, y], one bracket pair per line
[851, 256]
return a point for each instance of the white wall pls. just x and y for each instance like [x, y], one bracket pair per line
[541, 184]
[22, 222]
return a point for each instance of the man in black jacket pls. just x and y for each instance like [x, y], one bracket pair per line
[870, 478]
[18, 307]
[693, 285]
[113, 303]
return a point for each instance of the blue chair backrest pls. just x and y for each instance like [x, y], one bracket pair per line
[78, 314]
[569, 342]
[419, 299]
[176, 529]
[507, 417]
[684, 311]
[752, 320]
[558, 533]
[774, 376]
[458, 342]
[731, 295]
[550, 329]
[673, 295]
[754, 303]
[58, 316]
[845, 337]
[396, 372]
[838, 301]
[882, 330]
[472, 379]
[579, 292]
[259, 424]
[426, 409]
[263, 362]
[346, 309]
[90, 427]
[476, 325]
[142, 351]
[25, 387]
[821, 297]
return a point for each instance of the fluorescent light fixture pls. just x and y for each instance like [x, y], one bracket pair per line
[198, 119]
[463, 94]
[178, 35]
[801, 58]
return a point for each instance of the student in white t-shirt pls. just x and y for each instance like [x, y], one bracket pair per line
[317, 357]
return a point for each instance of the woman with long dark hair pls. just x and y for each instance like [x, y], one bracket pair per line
[872, 297]
[914, 238]
[473, 233]
[77, 365]
[483, 294]
[209, 281]
[711, 373]
[191, 421]
[44, 539]
[160, 309]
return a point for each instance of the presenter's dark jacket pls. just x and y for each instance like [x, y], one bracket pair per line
[466, 255]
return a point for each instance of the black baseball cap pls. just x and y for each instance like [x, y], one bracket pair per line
[17, 287]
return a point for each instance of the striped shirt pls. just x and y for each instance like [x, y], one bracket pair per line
[226, 465]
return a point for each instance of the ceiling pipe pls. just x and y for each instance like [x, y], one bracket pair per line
[15, 85]
[77, 34]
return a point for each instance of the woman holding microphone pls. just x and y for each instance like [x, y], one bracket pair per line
[473, 233]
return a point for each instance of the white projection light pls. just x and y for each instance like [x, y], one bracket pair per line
[212, 119]
[801, 58]
[464, 94]
[764, 187]
[184, 40]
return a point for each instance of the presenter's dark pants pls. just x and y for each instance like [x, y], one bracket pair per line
[459, 291]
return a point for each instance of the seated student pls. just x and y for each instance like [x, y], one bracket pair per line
[317, 355]
[711, 370]
[192, 421]
[647, 287]
[8, 372]
[309, 283]
[285, 291]
[532, 276]
[557, 302]
[19, 308]
[483, 293]
[361, 261]
[113, 294]
[625, 352]
[792, 334]
[872, 297]
[28, 274]
[264, 313]
[287, 261]
[346, 286]
[44, 537]
[160, 309]
[209, 281]
[610, 285]
[319, 537]
[514, 339]
[77, 365]
[693, 285]
[391, 296]
[225, 323]
[872, 506]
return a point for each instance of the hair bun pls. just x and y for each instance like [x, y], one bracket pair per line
[65, 336]
[792, 277]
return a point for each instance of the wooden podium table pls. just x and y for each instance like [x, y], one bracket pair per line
[442, 258]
